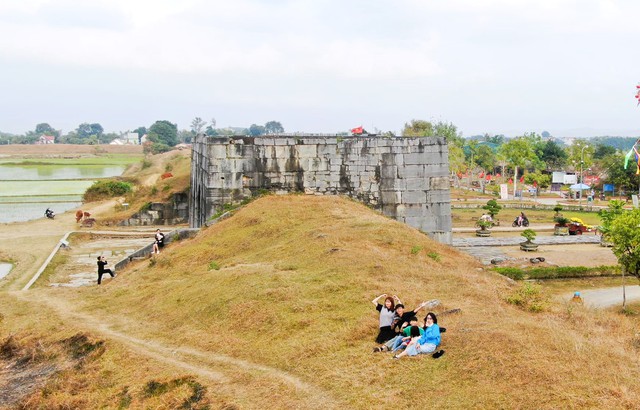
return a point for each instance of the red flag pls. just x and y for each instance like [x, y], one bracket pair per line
[535, 184]
[357, 131]
[498, 175]
[522, 179]
[481, 175]
[488, 177]
[510, 180]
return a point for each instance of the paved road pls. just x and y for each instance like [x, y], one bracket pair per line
[602, 298]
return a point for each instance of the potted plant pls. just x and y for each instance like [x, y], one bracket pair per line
[562, 226]
[484, 226]
[528, 245]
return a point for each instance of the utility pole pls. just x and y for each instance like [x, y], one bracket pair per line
[581, 174]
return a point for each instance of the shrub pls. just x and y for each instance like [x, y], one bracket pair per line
[416, 249]
[434, 256]
[513, 273]
[106, 189]
[146, 163]
[529, 297]
[213, 265]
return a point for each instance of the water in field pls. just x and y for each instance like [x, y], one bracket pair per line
[27, 190]
[5, 268]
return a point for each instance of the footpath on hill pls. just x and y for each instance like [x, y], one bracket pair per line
[29, 244]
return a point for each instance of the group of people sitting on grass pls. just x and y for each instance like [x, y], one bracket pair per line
[400, 331]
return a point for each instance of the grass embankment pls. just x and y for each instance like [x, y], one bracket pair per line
[150, 187]
[292, 292]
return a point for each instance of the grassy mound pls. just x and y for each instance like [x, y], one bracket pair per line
[278, 296]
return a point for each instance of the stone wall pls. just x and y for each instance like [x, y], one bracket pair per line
[176, 211]
[405, 178]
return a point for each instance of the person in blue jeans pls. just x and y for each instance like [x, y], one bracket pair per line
[401, 342]
[428, 342]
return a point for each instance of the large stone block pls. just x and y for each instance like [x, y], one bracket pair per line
[439, 183]
[391, 197]
[414, 184]
[414, 197]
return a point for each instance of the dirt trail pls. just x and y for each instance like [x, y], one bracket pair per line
[212, 366]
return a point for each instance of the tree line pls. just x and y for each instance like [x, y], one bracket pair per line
[161, 136]
[532, 157]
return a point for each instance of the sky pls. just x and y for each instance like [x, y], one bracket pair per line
[568, 67]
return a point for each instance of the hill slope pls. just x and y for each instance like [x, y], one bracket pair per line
[276, 301]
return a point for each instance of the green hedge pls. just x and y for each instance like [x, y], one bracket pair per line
[106, 189]
[558, 272]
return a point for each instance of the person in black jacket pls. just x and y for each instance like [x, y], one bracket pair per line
[102, 262]
[159, 241]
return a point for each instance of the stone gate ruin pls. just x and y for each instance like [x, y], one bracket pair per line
[405, 178]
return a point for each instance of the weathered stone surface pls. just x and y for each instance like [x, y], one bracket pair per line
[407, 178]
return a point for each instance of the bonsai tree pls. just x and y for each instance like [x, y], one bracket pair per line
[492, 208]
[484, 224]
[561, 221]
[529, 235]
[557, 210]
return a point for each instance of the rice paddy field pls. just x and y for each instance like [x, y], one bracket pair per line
[33, 181]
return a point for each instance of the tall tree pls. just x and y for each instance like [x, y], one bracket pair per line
[485, 158]
[46, 129]
[518, 152]
[163, 132]
[197, 125]
[602, 151]
[273, 127]
[256, 130]
[580, 154]
[417, 128]
[553, 156]
[86, 130]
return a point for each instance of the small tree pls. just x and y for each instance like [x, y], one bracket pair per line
[529, 235]
[492, 207]
[557, 210]
[608, 215]
[625, 235]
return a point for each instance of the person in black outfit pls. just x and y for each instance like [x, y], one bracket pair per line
[159, 241]
[102, 262]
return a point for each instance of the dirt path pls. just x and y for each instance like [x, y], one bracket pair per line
[28, 244]
[214, 367]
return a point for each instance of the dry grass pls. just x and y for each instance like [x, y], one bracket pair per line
[293, 293]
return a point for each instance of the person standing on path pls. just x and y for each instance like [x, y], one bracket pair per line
[102, 262]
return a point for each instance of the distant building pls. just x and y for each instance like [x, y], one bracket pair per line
[46, 139]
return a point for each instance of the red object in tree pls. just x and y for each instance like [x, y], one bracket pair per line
[510, 180]
[498, 175]
[522, 179]
[488, 177]
[357, 131]
[481, 175]
[535, 184]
